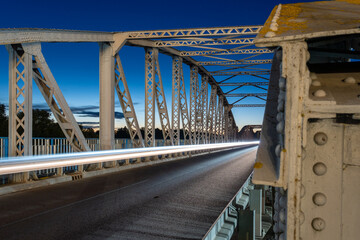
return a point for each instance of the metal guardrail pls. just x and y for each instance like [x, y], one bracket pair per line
[33, 163]
[225, 224]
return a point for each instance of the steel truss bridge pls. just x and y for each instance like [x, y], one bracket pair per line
[207, 118]
[307, 161]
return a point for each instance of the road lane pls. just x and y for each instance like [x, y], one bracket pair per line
[174, 200]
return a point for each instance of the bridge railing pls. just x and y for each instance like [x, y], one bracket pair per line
[49, 146]
[34, 163]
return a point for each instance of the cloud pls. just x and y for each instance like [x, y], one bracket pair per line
[118, 115]
[81, 111]
[88, 122]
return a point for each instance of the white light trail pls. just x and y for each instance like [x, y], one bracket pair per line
[33, 163]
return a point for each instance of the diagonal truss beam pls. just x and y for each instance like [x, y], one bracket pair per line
[226, 52]
[55, 100]
[195, 32]
[127, 105]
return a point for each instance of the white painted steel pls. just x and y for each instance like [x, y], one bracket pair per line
[31, 163]
[107, 97]
[127, 105]
[20, 101]
[54, 98]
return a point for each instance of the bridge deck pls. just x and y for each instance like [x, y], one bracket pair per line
[175, 200]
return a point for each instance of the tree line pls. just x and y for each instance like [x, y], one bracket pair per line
[44, 126]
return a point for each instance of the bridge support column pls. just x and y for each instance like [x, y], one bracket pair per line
[20, 106]
[107, 99]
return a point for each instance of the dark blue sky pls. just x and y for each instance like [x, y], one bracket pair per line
[75, 66]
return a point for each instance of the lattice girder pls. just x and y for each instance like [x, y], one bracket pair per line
[194, 99]
[149, 97]
[161, 102]
[211, 116]
[53, 96]
[20, 101]
[127, 105]
[184, 107]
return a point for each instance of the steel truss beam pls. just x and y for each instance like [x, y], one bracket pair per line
[211, 120]
[127, 105]
[235, 73]
[161, 103]
[246, 95]
[196, 32]
[154, 90]
[226, 52]
[55, 100]
[194, 100]
[248, 105]
[179, 103]
[201, 124]
[235, 62]
[203, 42]
[245, 84]
[27, 35]
[149, 97]
[219, 124]
[20, 101]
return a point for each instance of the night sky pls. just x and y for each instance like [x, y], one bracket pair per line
[75, 65]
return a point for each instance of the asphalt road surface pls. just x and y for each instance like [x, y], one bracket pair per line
[174, 200]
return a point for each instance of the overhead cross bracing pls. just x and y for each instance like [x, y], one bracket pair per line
[233, 55]
[228, 47]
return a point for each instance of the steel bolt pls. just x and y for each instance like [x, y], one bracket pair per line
[320, 138]
[319, 169]
[319, 199]
[318, 224]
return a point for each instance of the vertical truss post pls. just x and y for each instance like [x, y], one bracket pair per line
[107, 98]
[150, 97]
[161, 102]
[175, 117]
[226, 123]
[194, 86]
[20, 101]
[201, 120]
[53, 96]
[184, 107]
[223, 110]
[127, 105]
[20, 105]
[211, 115]
[220, 119]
